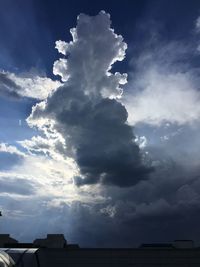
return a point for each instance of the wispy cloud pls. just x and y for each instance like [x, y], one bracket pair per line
[26, 85]
[164, 87]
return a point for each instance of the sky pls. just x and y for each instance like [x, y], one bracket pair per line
[100, 120]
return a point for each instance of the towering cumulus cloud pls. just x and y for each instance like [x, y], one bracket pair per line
[85, 109]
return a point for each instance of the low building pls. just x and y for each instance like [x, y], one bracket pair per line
[51, 241]
[6, 239]
[180, 253]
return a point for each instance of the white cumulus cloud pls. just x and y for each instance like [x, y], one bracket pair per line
[85, 110]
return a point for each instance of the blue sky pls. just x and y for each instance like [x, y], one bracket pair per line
[99, 125]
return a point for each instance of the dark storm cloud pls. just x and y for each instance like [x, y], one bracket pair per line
[94, 125]
[105, 151]
[133, 215]
[163, 208]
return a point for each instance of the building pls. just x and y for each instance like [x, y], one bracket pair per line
[53, 251]
[6, 239]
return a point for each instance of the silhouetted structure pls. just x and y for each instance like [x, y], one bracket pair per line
[53, 251]
[6, 240]
[51, 241]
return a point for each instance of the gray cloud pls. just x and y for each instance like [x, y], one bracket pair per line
[85, 109]
[14, 185]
